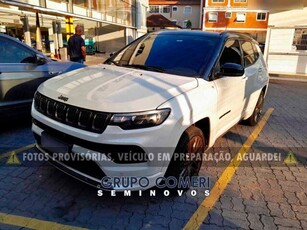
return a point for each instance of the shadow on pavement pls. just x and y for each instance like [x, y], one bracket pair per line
[15, 124]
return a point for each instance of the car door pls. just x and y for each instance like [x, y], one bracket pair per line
[230, 89]
[253, 73]
[20, 75]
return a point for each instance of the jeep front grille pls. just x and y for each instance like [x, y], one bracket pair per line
[89, 120]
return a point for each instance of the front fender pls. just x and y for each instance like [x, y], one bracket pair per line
[192, 106]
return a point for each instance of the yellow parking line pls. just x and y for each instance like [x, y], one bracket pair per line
[33, 223]
[16, 151]
[208, 203]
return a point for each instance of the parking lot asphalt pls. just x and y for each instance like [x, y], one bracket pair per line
[258, 194]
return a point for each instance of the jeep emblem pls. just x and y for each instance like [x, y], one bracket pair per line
[63, 98]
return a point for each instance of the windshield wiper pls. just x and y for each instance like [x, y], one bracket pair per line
[109, 60]
[145, 67]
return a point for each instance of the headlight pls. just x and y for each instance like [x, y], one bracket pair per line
[140, 120]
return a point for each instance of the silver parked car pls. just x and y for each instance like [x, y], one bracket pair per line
[22, 70]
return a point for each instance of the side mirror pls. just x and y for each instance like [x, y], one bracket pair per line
[231, 69]
[40, 59]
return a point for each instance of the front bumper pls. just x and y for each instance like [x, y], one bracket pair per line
[154, 141]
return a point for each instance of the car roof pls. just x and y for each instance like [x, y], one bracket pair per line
[187, 32]
[221, 35]
[238, 35]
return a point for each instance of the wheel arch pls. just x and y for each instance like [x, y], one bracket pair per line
[204, 126]
[264, 90]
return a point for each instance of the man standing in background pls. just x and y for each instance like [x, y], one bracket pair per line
[76, 46]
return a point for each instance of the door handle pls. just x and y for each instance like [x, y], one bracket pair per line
[259, 70]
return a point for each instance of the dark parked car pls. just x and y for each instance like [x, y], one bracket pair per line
[22, 70]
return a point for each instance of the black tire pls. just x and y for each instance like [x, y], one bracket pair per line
[187, 158]
[255, 117]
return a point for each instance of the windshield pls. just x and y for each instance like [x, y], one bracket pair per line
[180, 54]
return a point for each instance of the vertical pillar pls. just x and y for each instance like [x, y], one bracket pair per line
[26, 29]
[69, 6]
[267, 45]
[62, 51]
[97, 37]
[69, 26]
[59, 33]
[39, 45]
[201, 14]
[55, 38]
[204, 20]
[52, 46]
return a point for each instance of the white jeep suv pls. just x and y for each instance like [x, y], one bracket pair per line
[166, 92]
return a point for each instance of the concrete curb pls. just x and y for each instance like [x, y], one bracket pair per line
[288, 77]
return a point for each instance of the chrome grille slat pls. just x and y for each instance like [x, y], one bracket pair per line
[89, 120]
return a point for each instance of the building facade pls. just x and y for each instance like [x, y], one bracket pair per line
[109, 24]
[156, 22]
[286, 44]
[236, 15]
[184, 13]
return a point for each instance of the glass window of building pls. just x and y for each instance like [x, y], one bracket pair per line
[261, 16]
[187, 10]
[154, 9]
[228, 14]
[31, 2]
[99, 5]
[241, 17]
[212, 16]
[80, 7]
[80, 3]
[300, 38]
[57, 4]
[165, 9]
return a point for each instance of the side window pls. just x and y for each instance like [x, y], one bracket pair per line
[248, 53]
[231, 53]
[14, 53]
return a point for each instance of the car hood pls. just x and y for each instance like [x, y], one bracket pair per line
[116, 89]
[58, 67]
